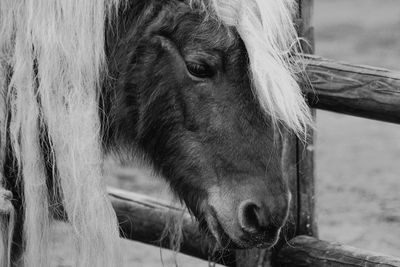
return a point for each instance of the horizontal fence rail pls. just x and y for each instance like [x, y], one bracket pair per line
[144, 219]
[355, 90]
[309, 251]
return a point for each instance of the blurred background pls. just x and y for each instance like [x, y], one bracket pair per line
[357, 160]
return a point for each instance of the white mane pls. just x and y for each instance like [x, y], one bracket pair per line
[55, 50]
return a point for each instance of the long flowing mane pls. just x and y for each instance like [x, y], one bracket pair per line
[52, 59]
[51, 66]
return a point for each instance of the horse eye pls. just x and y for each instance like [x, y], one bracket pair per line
[200, 70]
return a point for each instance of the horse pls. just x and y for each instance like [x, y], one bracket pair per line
[201, 90]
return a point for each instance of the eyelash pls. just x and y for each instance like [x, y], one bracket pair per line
[200, 70]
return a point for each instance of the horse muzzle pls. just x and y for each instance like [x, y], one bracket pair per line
[240, 220]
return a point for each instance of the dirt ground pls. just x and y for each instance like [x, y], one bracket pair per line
[357, 160]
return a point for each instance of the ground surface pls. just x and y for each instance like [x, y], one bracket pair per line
[357, 160]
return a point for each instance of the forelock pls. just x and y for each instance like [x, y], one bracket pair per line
[268, 32]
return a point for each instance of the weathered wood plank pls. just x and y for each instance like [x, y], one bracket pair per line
[356, 90]
[144, 219]
[306, 222]
[309, 251]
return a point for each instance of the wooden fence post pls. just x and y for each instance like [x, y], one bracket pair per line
[306, 224]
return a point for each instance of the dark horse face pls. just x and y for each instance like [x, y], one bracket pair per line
[181, 96]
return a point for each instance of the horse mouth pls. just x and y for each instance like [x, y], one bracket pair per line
[213, 228]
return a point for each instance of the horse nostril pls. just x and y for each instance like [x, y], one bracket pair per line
[252, 217]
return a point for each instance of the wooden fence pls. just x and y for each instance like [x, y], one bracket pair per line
[340, 87]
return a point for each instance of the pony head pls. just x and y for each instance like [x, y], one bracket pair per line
[202, 90]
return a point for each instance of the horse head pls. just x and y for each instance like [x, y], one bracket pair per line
[182, 96]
